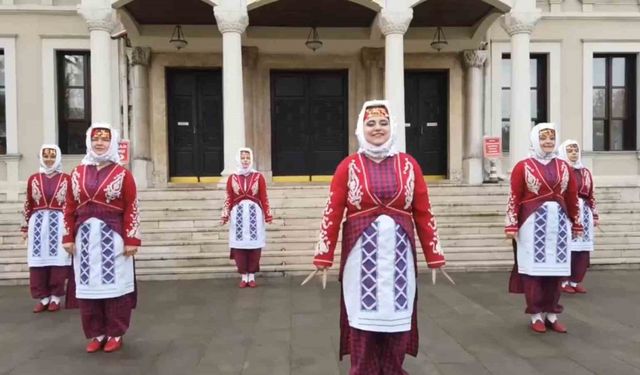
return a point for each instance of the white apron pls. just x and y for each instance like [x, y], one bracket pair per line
[101, 269]
[584, 243]
[246, 229]
[44, 248]
[543, 242]
[379, 280]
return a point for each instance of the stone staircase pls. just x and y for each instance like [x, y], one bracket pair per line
[182, 238]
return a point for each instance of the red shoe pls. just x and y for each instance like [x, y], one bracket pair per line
[53, 307]
[112, 345]
[40, 307]
[243, 284]
[252, 284]
[556, 326]
[569, 289]
[94, 345]
[538, 326]
[580, 289]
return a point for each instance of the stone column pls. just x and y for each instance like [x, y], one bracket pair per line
[472, 160]
[394, 24]
[139, 58]
[519, 24]
[99, 17]
[249, 63]
[232, 22]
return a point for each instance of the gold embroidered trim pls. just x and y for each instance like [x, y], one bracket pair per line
[113, 191]
[62, 193]
[355, 189]
[36, 193]
[410, 185]
[533, 184]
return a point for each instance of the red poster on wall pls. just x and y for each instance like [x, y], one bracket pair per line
[123, 150]
[492, 147]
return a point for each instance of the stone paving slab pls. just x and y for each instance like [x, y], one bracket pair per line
[212, 327]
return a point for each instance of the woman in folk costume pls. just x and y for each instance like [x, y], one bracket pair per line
[384, 195]
[49, 264]
[102, 231]
[247, 206]
[581, 247]
[542, 214]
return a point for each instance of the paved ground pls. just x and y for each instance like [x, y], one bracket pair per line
[211, 327]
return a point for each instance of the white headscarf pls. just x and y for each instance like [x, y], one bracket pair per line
[111, 155]
[535, 151]
[562, 153]
[384, 150]
[240, 170]
[57, 165]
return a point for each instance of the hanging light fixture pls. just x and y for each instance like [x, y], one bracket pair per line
[439, 40]
[177, 38]
[313, 40]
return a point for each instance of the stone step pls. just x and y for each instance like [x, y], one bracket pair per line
[150, 228]
[301, 260]
[9, 232]
[461, 214]
[183, 238]
[280, 191]
[210, 229]
[293, 207]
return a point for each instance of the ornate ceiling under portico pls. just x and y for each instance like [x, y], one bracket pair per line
[320, 13]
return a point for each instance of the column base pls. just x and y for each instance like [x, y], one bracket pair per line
[13, 187]
[473, 172]
[142, 170]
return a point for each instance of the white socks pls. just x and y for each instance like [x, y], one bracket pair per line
[248, 277]
[46, 300]
[536, 317]
[101, 338]
[565, 283]
[550, 317]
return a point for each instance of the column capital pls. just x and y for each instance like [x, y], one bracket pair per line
[231, 20]
[395, 21]
[97, 17]
[474, 58]
[520, 22]
[139, 56]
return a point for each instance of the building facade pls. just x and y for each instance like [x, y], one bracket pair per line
[247, 76]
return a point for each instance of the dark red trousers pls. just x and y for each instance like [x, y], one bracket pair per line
[542, 294]
[247, 260]
[579, 263]
[109, 316]
[377, 353]
[48, 281]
